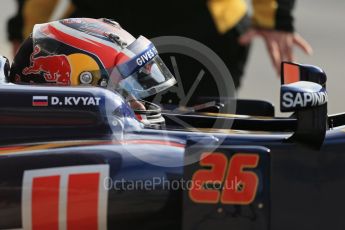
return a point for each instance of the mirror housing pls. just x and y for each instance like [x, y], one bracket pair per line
[293, 72]
[303, 91]
[302, 95]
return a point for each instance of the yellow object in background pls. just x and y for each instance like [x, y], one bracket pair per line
[264, 14]
[227, 13]
[42, 11]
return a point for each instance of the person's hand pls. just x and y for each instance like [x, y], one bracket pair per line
[279, 44]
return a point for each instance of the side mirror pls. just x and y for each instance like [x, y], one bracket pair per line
[303, 91]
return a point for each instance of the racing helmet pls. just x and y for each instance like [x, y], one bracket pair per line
[85, 51]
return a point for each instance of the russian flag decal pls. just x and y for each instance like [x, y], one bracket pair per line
[40, 101]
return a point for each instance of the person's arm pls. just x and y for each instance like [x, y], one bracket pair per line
[273, 21]
[41, 11]
[273, 14]
[226, 13]
[15, 27]
[37, 11]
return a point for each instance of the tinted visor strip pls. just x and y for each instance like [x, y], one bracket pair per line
[138, 61]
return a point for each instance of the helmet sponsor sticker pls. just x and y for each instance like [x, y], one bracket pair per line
[139, 61]
[147, 56]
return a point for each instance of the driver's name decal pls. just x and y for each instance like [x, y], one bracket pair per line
[65, 101]
[75, 101]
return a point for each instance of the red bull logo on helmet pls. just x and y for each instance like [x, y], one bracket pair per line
[54, 68]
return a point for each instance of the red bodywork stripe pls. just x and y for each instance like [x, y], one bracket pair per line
[17, 149]
[11, 148]
[22, 120]
[82, 201]
[155, 142]
[45, 203]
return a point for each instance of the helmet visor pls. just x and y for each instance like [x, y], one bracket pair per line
[144, 74]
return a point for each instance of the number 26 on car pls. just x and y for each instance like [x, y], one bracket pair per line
[226, 181]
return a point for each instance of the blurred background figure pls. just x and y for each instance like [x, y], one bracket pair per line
[15, 28]
[30, 13]
[220, 24]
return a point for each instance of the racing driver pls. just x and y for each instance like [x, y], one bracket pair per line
[97, 52]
